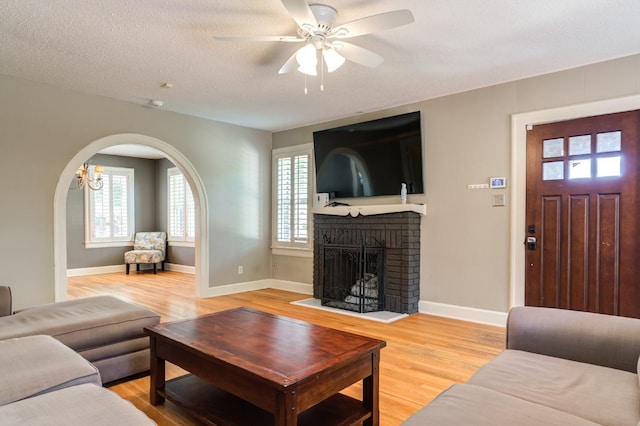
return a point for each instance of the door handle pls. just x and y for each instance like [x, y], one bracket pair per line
[532, 243]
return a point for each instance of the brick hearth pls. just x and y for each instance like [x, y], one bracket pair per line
[401, 234]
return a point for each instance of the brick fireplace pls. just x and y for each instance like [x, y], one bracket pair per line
[397, 227]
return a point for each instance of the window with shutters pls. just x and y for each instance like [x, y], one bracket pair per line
[109, 212]
[180, 209]
[292, 178]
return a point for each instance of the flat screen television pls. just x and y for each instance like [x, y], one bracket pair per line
[371, 158]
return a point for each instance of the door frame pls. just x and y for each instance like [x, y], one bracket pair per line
[519, 174]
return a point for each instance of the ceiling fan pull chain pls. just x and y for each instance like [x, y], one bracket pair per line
[305, 85]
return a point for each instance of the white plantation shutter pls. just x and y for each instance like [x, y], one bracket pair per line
[191, 214]
[291, 170]
[181, 208]
[120, 206]
[283, 216]
[301, 198]
[109, 211]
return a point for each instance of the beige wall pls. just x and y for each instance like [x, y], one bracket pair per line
[467, 139]
[465, 250]
[44, 127]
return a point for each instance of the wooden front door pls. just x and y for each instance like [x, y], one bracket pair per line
[582, 211]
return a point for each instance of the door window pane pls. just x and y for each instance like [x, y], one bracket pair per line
[579, 169]
[553, 170]
[608, 166]
[580, 145]
[553, 148]
[608, 142]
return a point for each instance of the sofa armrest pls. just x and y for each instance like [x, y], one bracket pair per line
[598, 339]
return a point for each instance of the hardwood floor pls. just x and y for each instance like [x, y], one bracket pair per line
[424, 354]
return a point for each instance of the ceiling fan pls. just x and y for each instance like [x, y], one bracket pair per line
[317, 31]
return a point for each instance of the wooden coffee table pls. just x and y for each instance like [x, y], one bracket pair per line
[253, 368]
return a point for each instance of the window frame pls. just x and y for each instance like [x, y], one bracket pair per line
[89, 205]
[186, 240]
[292, 248]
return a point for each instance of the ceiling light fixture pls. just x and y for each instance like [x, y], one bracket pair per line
[333, 59]
[317, 30]
[89, 176]
[307, 59]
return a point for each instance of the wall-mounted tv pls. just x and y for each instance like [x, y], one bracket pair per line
[370, 158]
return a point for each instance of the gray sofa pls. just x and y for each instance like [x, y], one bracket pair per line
[105, 330]
[43, 382]
[559, 368]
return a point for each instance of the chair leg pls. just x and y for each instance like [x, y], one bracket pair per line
[127, 267]
[162, 265]
[154, 267]
[137, 267]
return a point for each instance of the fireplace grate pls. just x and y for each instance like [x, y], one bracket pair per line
[353, 276]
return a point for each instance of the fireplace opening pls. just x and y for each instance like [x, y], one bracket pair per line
[353, 276]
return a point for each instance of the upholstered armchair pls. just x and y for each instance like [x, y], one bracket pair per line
[148, 247]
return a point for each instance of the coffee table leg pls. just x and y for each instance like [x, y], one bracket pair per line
[370, 391]
[156, 374]
[286, 412]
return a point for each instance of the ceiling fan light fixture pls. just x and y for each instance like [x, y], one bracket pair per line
[307, 59]
[333, 59]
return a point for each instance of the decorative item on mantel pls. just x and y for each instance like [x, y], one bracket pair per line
[403, 193]
[367, 210]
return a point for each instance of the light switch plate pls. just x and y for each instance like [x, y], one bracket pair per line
[498, 200]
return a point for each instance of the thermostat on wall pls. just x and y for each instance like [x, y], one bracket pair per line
[498, 182]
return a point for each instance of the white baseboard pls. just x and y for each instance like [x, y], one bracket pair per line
[425, 307]
[96, 270]
[180, 268]
[292, 286]
[224, 290]
[463, 313]
[78, 272]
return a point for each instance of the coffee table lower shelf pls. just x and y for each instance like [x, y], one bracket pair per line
[213, 406]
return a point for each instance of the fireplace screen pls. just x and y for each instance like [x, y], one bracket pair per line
[353, 276]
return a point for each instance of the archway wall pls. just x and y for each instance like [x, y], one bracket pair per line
[47, 132]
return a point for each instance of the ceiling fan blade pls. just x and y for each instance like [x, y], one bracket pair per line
[300, 12]
[289, 39]
[369, 24]
[291, 64]
[358, 54]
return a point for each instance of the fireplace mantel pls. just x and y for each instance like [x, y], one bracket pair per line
[371, 209]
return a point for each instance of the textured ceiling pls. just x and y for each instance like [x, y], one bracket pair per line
[126, 49]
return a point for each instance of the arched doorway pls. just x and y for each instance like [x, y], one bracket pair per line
[60, 207]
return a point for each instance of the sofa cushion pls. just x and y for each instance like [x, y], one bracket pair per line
[606, 340]
[80, 405]
[600, 394]
[34, 365]
[465, 404]
[81, 324]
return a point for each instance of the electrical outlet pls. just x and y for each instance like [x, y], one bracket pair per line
[240, 270]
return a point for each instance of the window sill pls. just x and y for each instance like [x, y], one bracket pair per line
[181, 243]
[293, 252]
[103, 244]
